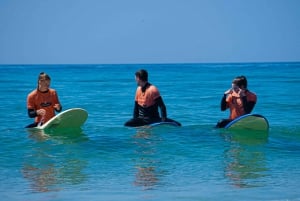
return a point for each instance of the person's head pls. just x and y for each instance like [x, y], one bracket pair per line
[43, 81]
[243, 82]
[239, 82]
[236, 84]
[141, 77]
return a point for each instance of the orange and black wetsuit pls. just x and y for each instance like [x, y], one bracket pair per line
[42, 100]
[147, 102]
[238, 106]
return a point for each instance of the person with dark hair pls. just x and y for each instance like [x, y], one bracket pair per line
[42, 102]
[147, 102]
[238, 99]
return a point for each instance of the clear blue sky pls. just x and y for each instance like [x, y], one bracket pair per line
[148, 31]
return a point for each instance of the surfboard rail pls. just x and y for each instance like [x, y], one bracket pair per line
[169, 123]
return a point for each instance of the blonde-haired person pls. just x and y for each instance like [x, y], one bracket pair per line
[43, 102]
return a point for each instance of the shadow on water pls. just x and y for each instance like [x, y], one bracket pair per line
[244, 158]
[54, 160]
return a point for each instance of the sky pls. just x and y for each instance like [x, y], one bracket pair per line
[148, 31]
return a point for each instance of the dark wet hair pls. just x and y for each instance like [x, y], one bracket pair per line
[44, 75]
[243, 81]
[240, 81]
[142, 75]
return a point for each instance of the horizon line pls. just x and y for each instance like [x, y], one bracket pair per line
[155, 63]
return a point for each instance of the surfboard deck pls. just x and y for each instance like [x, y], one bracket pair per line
[71, 118]
[249, 122]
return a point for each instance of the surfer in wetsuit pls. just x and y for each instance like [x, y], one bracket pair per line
[43, 101]
[238, 99]
[147, 102]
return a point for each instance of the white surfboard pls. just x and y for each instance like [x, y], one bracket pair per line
[71, 118]
[249, 122]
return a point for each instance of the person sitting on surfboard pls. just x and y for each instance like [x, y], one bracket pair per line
[147, 102]
[238, 99]
[42, 102]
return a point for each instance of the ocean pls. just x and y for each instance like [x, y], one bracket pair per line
[107, 161]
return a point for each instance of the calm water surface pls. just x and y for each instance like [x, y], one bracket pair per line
[107, 161]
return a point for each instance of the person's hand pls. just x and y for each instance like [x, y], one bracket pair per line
[41, 112]
[228, 91]
[57, 106]
[241, 92]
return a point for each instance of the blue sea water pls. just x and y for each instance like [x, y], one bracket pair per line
[107, 161]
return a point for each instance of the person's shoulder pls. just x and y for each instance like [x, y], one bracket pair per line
[251, 93]
[154, 90]
[138, 89]
[251, 96]
[153, 87]
[32, 93]
[52, 90]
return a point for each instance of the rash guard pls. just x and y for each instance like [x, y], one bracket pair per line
[42, 100]
[238, 105]
[147, 102]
